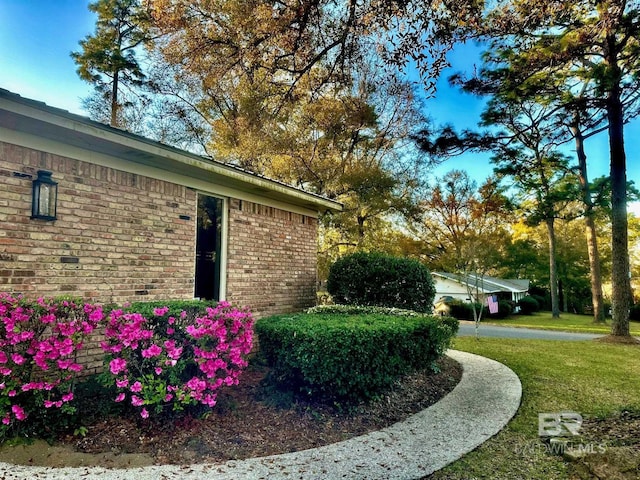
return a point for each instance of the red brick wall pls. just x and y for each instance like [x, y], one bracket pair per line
[118, 236]
[271, 258]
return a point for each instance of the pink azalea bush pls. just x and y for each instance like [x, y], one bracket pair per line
[38, 348]
[154, 363]
[169, 361]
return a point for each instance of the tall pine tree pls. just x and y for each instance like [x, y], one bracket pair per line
[108, 57]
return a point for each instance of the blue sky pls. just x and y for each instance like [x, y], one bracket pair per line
[37, 36]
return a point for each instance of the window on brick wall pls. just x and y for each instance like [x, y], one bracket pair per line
[209, 247]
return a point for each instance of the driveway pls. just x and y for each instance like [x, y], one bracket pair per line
[468, 329]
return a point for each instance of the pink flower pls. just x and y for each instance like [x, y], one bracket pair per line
[50, 386]
[75, 367]
[96, 316]
[136, 401]
[120, 397]
[48, 318]
[122, 383]
[159, 312]
[209, 400]
[65, 347]
[64, 364]
[153, 351]
[31, 386]
[173, 352]
[17, 358]
[136, 387]
[12, 393]
[67, 397]
[193, 331]
[6, 420]
[117, 365]
[144, 413]
[48, 404]
[158, 370]
[168, 397]
[26, 336]
[170, 331]
[18, 412]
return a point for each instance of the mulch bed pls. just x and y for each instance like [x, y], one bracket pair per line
[253, 420]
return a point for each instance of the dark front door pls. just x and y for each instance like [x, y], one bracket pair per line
[208, 247]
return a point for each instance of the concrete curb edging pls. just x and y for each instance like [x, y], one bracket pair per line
[484, 401]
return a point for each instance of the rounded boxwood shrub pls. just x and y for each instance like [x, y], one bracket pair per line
[382, 280]
[350, 357]
[528, 305]
[464, 310]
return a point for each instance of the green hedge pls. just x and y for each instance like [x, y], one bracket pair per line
[528, 305]
[363, 310]
[193, 308]
[377, 279]
[350, 357]
[464, 310]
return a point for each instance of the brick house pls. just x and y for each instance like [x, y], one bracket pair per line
[136, 220]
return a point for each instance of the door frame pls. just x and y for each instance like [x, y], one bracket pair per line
[224, 234]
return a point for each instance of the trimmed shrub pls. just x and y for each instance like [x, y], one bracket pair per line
[192, 308]
[363, 310]
[542, 295]
[464, 310]
[634, 313]
[378, 279]
[350, 358]
[528, 305]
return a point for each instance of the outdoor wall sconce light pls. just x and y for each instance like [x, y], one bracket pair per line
[45, 196]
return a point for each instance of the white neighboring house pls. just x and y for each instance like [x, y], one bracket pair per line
[456, 286]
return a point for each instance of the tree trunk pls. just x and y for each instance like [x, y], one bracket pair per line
[619, 235]
[114, 100]
[597, 299]
[553, 269]
[563, 298]
[361, 231]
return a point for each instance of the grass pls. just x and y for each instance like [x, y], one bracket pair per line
[590, 378]
[568, 322]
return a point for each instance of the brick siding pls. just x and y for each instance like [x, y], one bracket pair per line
[124, 237]
[271, 258]
[118, 237]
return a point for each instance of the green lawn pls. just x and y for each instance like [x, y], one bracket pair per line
[567, 322]
[590, 378]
